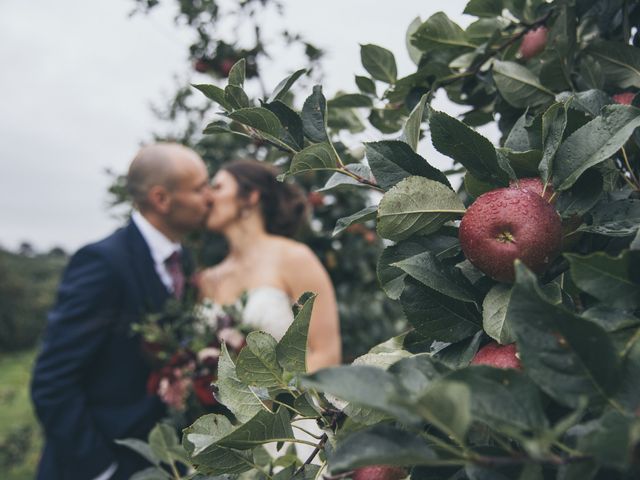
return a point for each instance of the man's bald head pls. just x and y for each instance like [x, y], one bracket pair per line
[159, 164]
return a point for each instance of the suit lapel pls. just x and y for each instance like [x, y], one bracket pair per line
[155, 292]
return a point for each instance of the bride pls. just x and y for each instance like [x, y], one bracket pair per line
[256, 213]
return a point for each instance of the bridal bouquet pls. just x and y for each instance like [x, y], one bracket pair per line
[183, 347]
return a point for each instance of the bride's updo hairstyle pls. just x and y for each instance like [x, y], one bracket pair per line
[283, 204]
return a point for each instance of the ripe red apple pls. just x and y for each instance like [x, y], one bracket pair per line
[225, 66]
[534, 42]
[535, 185]
[499, 356]
[624, 98]
[202, 65]
[509, 223]
[379, 472]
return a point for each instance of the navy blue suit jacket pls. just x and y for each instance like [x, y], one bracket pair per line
[89, 381]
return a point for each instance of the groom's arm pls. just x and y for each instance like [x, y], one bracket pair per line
[88, 299]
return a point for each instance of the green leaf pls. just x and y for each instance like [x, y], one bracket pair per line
[392, 161]
[412, 128]
[351, 100]
[567, 356]
[436, 316]
[460, 354]
[381, 445]
[209, 458]
[362, 385]
[237, 73]
[292, 348]
[387, 120]
[484, 8]
[606, 278]
[236, 97]
[151, 473]
[340, 179]
[416, 205]
[612, 439]
[611, 319]
[319, 156]
[379, 62]
[629, 393]
[590, 101]
[428, 270]
[285, 85]
[259, 119]
[292, 132]
[582, 196]
[447, 405]
[459, 142]
[366, 85]
[439, 32]
[141, 448]
[257, 363]
[264, 427]
[554, 121]
[414, 53]
[494, 314]
[591, 72]
[618, 218]
[162, 440]
[314, 116]
[620, 63]
[504, 399]
[232, 393]
[214, 93]
[392, 278]
[594, 143]
[361, 216]
[519, 86]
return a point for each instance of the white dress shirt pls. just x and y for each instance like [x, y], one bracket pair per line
[161, 249]
[160, 246]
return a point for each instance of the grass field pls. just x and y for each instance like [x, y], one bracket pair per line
[20, 437]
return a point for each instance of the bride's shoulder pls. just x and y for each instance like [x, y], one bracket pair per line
[293, 253]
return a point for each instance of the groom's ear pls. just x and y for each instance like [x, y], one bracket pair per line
[159, 199]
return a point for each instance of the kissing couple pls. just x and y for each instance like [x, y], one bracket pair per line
[89, 380]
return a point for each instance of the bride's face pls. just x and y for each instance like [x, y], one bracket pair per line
[225, 203]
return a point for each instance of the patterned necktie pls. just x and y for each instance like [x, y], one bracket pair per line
[174, 267]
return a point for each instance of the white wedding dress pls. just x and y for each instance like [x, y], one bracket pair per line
[268, 309]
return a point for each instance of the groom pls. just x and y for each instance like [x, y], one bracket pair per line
[89, 380]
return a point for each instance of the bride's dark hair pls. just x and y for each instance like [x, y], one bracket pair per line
[283, 204]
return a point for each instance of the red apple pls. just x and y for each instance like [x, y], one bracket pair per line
[316, 199]
[201, 65]
[534, 42]
[624, 98]
[499, 356]
[509, 223]
[225, 66]
[535, 185]
[379, 472]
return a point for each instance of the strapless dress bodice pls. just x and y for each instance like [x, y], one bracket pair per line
[268, 309]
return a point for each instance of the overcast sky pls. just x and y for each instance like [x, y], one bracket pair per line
[78, 78]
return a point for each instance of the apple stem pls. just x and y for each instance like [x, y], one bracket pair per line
[506, 237]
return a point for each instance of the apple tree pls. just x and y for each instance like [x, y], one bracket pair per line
[521, 283]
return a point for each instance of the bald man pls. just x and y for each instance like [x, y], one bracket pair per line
[89, 380]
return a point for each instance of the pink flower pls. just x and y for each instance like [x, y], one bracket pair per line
[232, 337]
[173, 389]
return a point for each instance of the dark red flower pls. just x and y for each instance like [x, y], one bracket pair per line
[153, 382]
[202, 389]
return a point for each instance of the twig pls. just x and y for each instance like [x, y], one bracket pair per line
[319, 446]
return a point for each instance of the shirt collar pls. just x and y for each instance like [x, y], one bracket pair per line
[159, 245]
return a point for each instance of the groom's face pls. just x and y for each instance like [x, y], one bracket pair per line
[190, 199]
